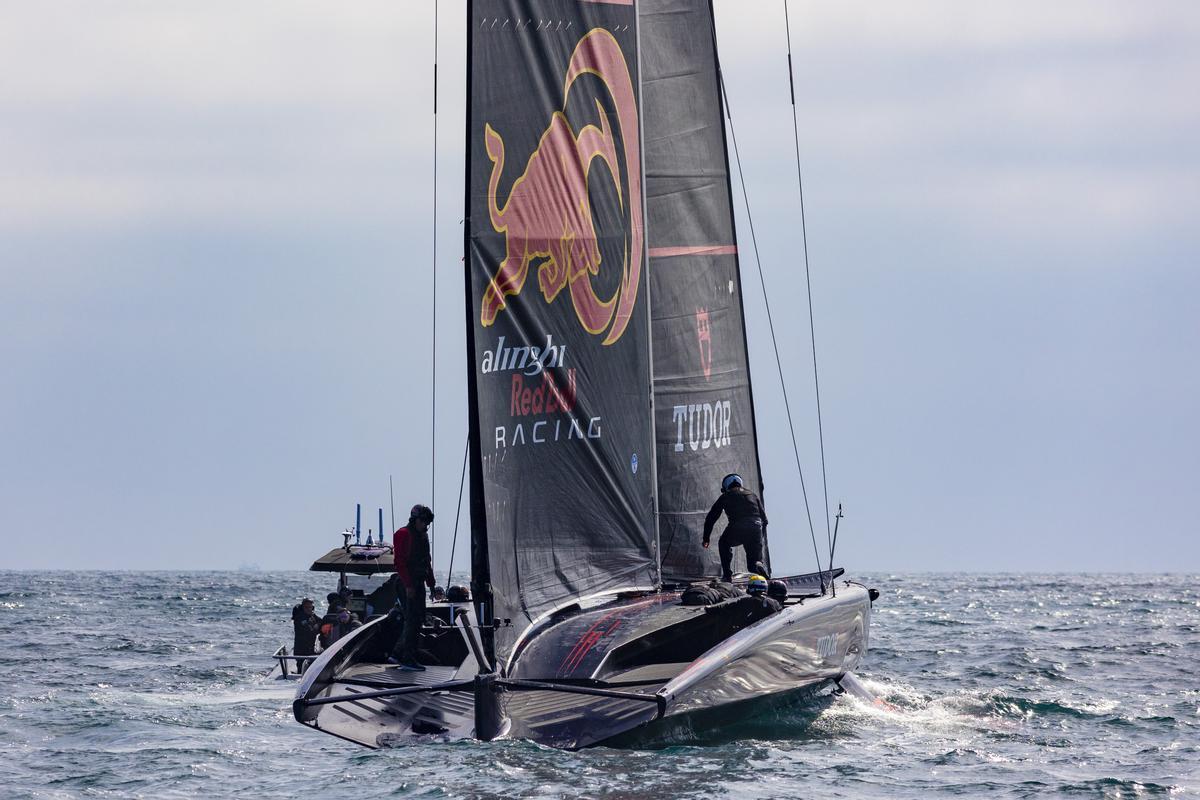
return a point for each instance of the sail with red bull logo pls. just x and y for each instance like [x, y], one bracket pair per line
[547, 216]
[556, 253]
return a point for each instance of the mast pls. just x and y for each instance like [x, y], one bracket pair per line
[658, 575]
[481, 587]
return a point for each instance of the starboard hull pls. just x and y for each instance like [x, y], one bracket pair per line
[809, 643]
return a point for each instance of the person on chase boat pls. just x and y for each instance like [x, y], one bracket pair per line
[747, 524]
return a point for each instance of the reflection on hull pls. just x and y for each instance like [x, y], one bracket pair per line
[805, 644]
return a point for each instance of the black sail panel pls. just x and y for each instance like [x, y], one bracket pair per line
[562, 489]
[704, 414]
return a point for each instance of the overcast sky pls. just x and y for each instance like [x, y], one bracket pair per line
[216, 260]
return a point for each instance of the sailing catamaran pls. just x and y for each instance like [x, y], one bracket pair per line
[609, 392]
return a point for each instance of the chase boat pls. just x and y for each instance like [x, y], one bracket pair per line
[361, 569]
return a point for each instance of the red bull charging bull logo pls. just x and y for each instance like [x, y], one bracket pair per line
[547, 217]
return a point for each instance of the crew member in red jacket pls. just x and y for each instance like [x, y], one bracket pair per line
[410, 551]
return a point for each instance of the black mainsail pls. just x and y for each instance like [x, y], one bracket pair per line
[704, 410]
[559, 374]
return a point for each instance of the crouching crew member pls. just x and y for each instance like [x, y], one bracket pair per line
[747, 525]
[411, 553]
[765, 605]
[778, 591]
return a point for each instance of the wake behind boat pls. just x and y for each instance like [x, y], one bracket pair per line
[609, 390]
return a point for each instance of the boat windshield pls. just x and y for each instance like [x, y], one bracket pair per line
[366, 583]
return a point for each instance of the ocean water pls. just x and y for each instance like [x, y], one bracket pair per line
[120, 684]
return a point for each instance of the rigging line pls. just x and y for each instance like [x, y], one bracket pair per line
[771, 323]
[812, 329]
[458, 511]
[433, 356]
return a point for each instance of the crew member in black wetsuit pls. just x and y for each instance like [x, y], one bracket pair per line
[747, 524]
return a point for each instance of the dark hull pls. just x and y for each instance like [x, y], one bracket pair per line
[647, 659]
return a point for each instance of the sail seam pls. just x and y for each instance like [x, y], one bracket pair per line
[694, 250]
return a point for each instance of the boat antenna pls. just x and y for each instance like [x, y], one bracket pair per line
[458, 511]
[433, 356]
[812, 330]
[358, 523]
[833, 545]
[392, 501]
[770, 320]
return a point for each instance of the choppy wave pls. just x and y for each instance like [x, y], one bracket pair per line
[152, 685]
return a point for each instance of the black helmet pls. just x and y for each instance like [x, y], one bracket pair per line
[422, 513]
[458, 594]
[731, 480]
[777, 590]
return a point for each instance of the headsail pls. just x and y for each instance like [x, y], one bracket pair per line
[704, 414]
[562, 440]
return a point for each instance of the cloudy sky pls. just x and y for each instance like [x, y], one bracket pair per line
[216, 262]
